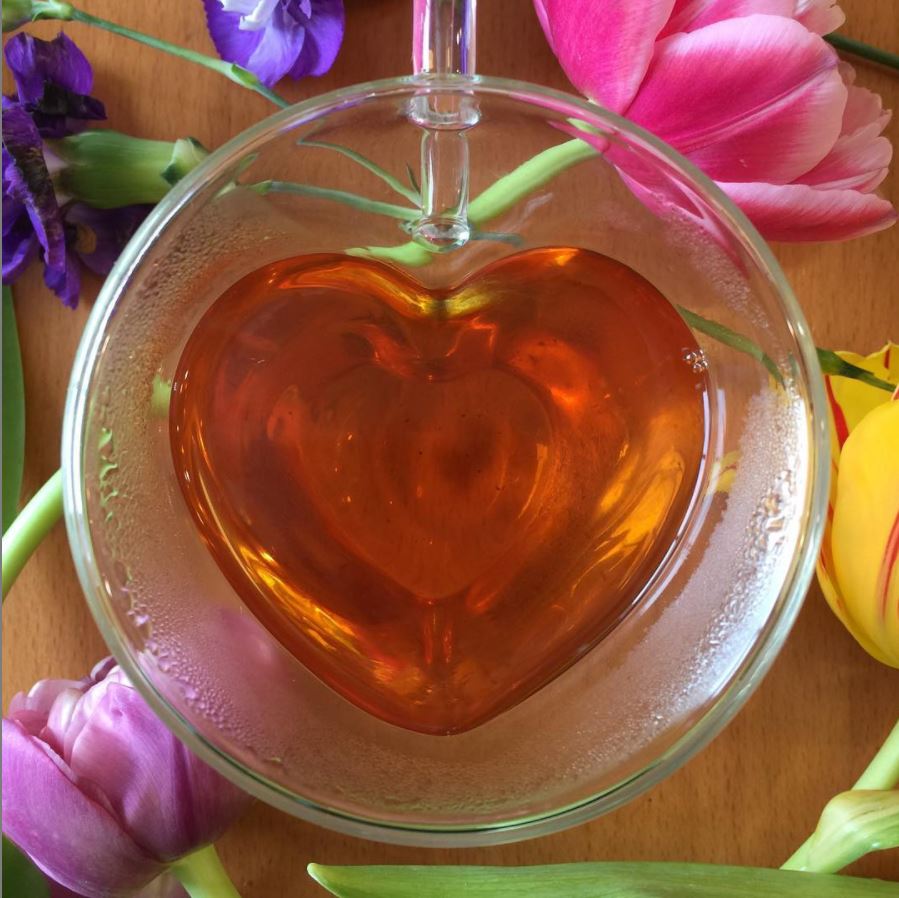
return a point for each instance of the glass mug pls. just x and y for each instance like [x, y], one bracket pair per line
[707, 624]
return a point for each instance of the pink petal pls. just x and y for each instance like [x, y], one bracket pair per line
[604, 47]
[860, 157]
[752, 99]
[41, 696]
[540, 9]
[688, 15]
[799, 212]
[858, 161]
[820, 16]
[863, 107]
[170, 801]
[72, 839]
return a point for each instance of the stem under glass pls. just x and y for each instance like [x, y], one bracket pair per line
[443, 46]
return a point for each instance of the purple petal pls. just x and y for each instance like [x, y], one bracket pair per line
[53, 79]
[169, 801]
[65, 282]
[324, 34]
[28, 181]
[72, 839]
[268, 52]
[34, 62]
[101, 234]
[61, 112]
[19, 247]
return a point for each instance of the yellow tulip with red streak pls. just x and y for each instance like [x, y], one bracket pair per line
[859, 564]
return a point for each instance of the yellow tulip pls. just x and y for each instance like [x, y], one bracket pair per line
[858, 568]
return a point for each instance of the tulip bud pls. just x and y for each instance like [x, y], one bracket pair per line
[859, 564]
[98, 792]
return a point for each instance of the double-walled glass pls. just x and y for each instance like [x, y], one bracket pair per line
[655, 689]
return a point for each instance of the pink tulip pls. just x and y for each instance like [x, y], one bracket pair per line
[750, 92]
[98, 792]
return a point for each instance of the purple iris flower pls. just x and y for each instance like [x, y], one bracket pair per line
[53, 81]
[274, 38]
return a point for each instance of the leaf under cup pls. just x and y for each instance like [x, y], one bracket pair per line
[13, 412]
[593, 880]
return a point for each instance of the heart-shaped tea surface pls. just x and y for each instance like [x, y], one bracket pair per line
[438, 500]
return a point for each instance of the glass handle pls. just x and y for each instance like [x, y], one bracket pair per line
[443, 45]
[443, 37]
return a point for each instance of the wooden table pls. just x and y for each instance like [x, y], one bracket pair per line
[750, 797]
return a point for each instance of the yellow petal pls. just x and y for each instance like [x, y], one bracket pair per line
[850, 400]
[865, 532]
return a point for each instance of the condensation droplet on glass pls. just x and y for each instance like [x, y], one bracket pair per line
[697, 361]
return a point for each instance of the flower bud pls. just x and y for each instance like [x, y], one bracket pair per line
[859, 564]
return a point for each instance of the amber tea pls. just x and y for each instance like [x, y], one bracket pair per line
[438, 500]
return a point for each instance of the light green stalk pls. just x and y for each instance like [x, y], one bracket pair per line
[880, 775]
[498, 198]
[203, 875]
[27, 531]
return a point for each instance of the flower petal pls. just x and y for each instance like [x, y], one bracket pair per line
[752, 99]
[820, 16]
[799, 212]
[71, 838]
[850, 400]
[19, 247]
[170, 801]
[324, 35]
[688, 15]
[860, 157]
[865, 535]
[268, 52]
[604, 48]
[863, 107]
[101, 234]
[33, 62]
[28, 181]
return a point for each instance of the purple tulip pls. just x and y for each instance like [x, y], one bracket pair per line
[98, 792]
[274, 38]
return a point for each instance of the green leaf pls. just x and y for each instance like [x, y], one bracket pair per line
[21, 879]
[13, 412]
[593, 880]
[376, 207]
[413, 180]
[414, 196]
[832, 364]
[731, 338]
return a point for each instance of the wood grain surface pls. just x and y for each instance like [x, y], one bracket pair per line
[756, 791]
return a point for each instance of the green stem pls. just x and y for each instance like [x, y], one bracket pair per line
[865, 51]
[537, 171]
[338, 196]
[203, 875]
[881, 773]
[414, 196]
[496, 199]
[237, 74]
[832, 364]
[33, 523]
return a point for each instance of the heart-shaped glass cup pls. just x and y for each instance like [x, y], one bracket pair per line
[706, 625]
